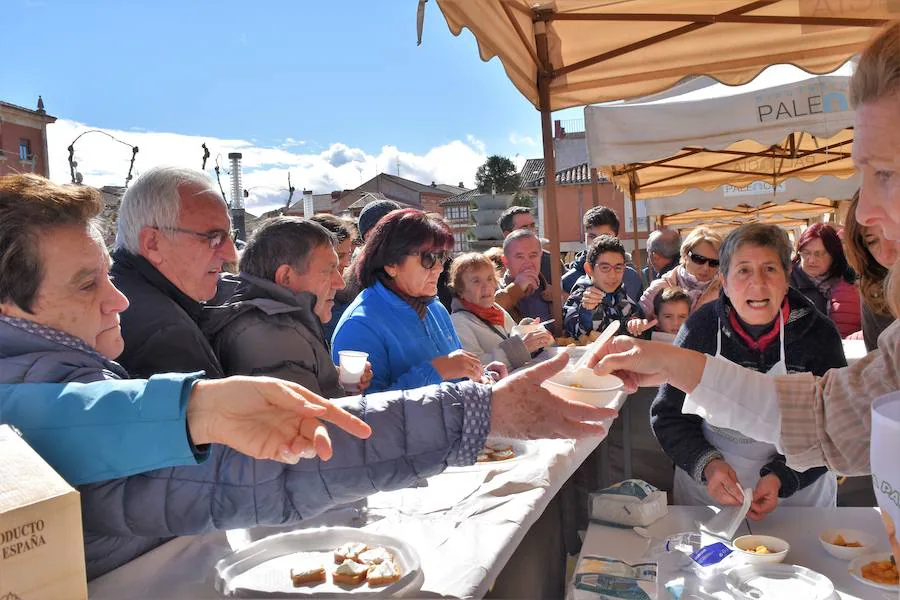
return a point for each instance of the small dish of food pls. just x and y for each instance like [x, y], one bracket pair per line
[587, 387]
[760, 549]
[876, 570]
[847, 544]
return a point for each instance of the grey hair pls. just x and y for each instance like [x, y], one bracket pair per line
[519, 234]
[665, 242]
[283, 241]
[757, 234]
[153, 201]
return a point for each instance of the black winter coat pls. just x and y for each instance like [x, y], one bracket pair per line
[160, 326]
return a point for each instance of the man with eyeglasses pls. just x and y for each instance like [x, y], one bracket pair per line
[172, 244]
[599, 298]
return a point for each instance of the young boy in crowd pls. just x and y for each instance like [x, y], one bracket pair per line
[672, 307]
[599, 297]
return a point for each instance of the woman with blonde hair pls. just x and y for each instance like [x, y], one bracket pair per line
[848, 419]
[696, 273]
[871, 255]
[483, 327]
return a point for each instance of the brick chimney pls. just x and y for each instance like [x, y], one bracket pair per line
[559, 131]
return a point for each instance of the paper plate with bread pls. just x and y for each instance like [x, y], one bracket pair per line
[334, 562]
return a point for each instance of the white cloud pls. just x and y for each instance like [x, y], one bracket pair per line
[103, 161]
[516, 139]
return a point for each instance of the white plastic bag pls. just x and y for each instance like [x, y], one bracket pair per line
[630, 503]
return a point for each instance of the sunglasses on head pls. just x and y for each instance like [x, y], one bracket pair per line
[699, 259]
[430, 259]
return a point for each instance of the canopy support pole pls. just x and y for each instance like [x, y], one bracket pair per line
[551, 222]
[595, 188]
[632, 191]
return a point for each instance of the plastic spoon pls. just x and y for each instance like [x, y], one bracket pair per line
[611, 330]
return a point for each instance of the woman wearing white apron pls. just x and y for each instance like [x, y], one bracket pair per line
[759, 323]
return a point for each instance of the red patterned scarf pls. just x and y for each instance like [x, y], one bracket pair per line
[493, 315]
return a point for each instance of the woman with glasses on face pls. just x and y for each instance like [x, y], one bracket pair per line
[397, 318]
[696, 273]
[822, 274]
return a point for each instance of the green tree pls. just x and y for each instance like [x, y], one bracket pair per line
[497, 174]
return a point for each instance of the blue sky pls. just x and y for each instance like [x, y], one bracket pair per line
[299, 74]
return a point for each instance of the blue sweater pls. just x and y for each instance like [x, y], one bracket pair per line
[400, 345]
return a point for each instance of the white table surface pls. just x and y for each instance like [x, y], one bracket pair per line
[800, 527]
[464, 525]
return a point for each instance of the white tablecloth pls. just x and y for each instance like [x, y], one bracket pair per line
[800, 527]
[464, 525]
[854, 350]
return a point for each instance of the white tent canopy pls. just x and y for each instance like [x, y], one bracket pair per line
[725, 146]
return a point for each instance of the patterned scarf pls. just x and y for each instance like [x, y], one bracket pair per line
[493, 314]
[418, 303]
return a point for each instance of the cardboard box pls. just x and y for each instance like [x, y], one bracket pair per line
[41, 545]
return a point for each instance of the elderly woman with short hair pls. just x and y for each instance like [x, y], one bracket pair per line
[483, 326]
[397, 319]
[696, 273]
[760, 323]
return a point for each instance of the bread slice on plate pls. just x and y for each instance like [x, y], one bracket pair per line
[383, 573]
[308, 575]
[348, 551]
[374, 556]
[504, 454]
[350, 572]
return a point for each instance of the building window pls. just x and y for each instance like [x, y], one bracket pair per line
[460, 242]
[457, 213]
[24, 149]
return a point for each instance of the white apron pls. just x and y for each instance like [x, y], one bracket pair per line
[747, 456]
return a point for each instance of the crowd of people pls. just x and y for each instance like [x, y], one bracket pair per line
[239, 353]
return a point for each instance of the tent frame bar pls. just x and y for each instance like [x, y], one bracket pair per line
[718, 167]
[548, 16]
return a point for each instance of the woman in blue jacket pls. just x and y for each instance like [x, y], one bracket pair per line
[397, 319]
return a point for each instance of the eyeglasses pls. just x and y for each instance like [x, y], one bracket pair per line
[430, 259]
[818, 254]
[607, 268]
[699, 259]
[214, 238]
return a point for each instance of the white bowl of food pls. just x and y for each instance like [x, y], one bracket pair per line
[847, 544]
[760, 549]
[586, 386]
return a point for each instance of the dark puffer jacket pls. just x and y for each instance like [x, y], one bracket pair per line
[160, 324]
[266, 329]
[812, 344]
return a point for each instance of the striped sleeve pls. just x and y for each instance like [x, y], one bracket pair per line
[827, 420]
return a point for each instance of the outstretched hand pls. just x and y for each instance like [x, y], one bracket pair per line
[522, 408]
[266, 418]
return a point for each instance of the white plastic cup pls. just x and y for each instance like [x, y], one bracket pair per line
[352, 366]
